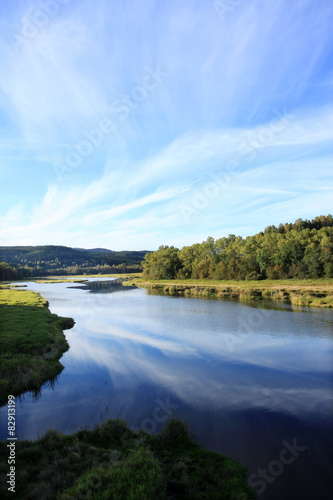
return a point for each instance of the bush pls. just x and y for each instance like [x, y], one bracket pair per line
[253, 276]
[109, 433]
[174, 433]
[274, 273]
[139, 477]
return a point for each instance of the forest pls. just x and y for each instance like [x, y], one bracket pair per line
[19, 262]
[299, 250]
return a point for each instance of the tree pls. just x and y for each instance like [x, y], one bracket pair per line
[162, 264]
[264, 259]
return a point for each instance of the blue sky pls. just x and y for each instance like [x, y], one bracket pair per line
[131, 124]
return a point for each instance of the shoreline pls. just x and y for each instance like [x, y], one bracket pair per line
[298, 293]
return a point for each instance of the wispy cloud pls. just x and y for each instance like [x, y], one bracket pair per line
[282, 178]
[225, 85]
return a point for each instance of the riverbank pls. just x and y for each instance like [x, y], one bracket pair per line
[301, 293]
[31, 342]
[112, 461]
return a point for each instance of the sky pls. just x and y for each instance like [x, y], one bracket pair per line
[130, 124]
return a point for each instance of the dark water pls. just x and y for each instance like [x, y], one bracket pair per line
[253, 382]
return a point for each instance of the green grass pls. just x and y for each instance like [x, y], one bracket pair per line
[113, 462]
[299, 293]
[138, 476]
[31, 342]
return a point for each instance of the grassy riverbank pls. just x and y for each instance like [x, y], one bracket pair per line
[31, 342]
[304, 293]
[112, 461]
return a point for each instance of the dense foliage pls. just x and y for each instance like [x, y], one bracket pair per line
[303, 249]
[10, 273]
[24, 261]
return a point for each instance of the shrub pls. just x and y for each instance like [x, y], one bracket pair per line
[139, 477]
[174, 433]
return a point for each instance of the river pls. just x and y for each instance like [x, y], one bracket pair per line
[253, 381]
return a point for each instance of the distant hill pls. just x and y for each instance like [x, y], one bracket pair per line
[95, 250]
[60, 257]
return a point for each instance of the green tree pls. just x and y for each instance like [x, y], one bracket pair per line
[162, 264]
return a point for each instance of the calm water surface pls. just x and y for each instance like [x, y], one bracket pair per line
[252, 381]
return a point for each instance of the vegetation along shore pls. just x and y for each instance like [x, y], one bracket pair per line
[292, 262]
[31, 342]
[302, 293]
[112, 461]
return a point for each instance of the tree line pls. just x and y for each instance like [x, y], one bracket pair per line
[9, 273]
[300, 250]
[12, 273]
[45, 260]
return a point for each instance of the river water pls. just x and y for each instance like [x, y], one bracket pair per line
[253, 381]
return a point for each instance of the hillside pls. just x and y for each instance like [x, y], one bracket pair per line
[57, 257]
[23, 261]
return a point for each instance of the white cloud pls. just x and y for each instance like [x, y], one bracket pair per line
[225, 85]
[288, 185]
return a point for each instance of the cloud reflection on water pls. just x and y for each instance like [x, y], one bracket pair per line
[202, 372]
